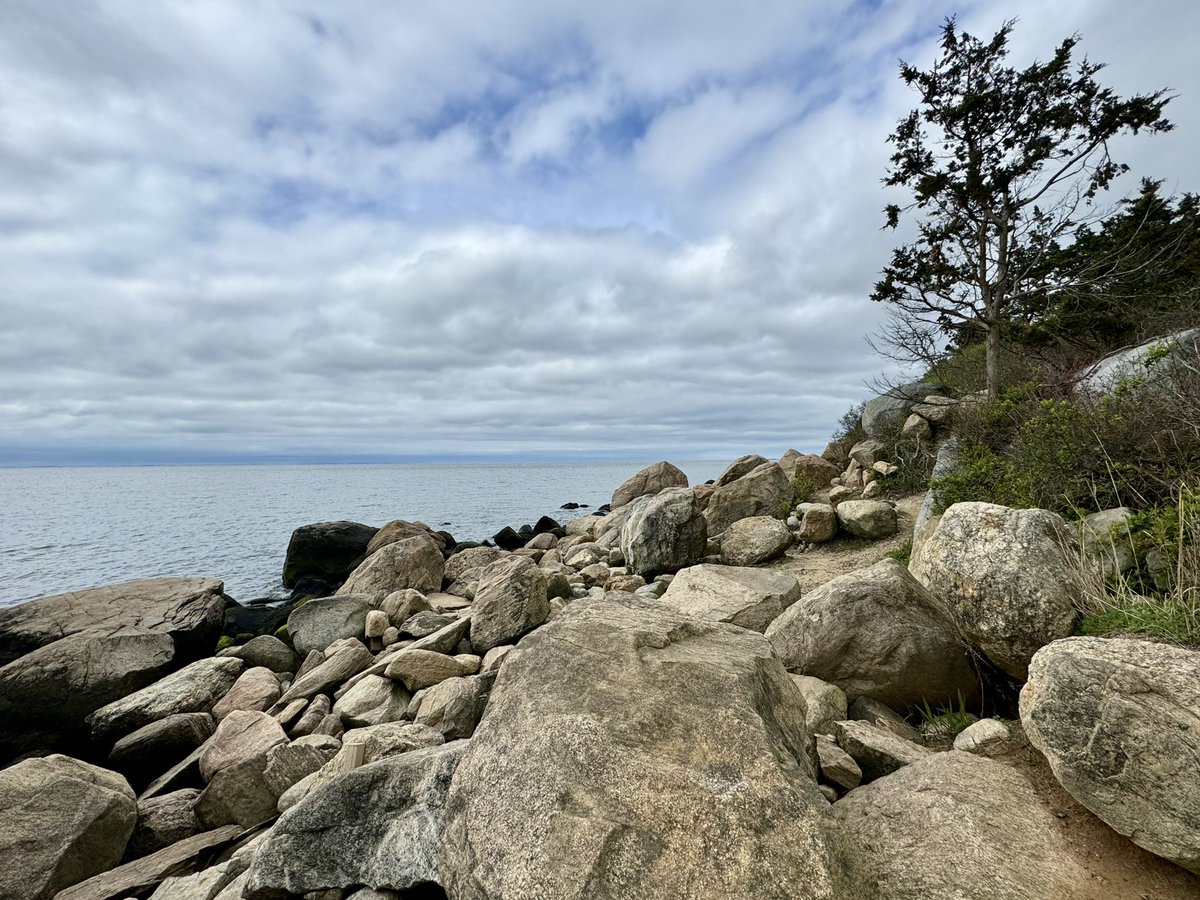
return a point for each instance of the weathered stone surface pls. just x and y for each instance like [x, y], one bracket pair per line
[425, 623]
[238, 794]
[511, 601]
[445, 639]
[1106, 539]
[318, 623]
[748, 542]
[648, 482]
[266, 651]
[190, 610]
[818, 524]
[398, 530]
[872, 711]
[412, 562]
[329, 674]
[877, 751]
[326, 550]
[664, 533]
[916, 427]
[751, 598]
[255, 689]
[955, 825]
[825, 703]
[1119, 722]
[836, 764]
[61, 821]
[143, 754]
[372, 701]
[473, 558]
[288, 764]
[569, 789]
[807, 473]
[380, 826]
[935, 409]
[162, 821]
[870, 519]
[883, 415]
[877, 632]
[453, 706]
[739, 467]
[1004, 577]
[764, 491]
[419, 669]
[194, 688]
[981, 736]
[46, 695]
[241, 735]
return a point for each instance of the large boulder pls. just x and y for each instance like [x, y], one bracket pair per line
[379, 826]
[955, 825]
[649, 481]
[194, 688]
[318, 623]
[413, 562]
[628, 747]
[256, 689]
[763, 491]
[807, 472]
[884, 414]
[241, 735]
[190, 610]
[46, 695]
[1117, 720]
[144, 754]
[872, 520]
[266, 651]
[750, 598]
[748, 542]
[877, 632]
[1131, 363]
[398, 529]
[511, 600]
[162, 821]
[664, 533]
[1005, 578]
[328, 551]
[61, 821]
[739, 467]
[471, 558]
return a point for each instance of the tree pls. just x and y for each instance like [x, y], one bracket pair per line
[1003, 166]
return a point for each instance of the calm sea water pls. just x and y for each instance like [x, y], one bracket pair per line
[71, 528]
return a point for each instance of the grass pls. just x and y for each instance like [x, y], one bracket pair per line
[947, 722]
[901, 555]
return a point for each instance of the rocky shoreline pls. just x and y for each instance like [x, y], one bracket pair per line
[638, 704]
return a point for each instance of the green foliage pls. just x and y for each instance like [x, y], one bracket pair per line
[850, 430]
[1150, 617]
[803, 487]
[948, 722]
[914, 459]
[282, 633]
[225, 641]
[901, 555]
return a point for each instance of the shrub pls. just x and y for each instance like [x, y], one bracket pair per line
[850, 430]
[901, 555]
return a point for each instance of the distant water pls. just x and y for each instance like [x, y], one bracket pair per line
[71, 528]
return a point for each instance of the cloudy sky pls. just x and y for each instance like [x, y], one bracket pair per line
[254, 230]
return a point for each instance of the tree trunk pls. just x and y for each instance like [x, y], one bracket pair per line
[993, 358]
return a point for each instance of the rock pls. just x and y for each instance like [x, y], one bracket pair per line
[764, 491]
[1117, 721]
[376, 624]
[140, 756]
[869, 519]
[916, 428]
[870, 710]
[877, 751]
[872, 490]
[426, 623]
[318, 623]
[266, 651]
[400, 606]
[877, 632]
[419, 669]
[162, 821]
[508, 538]
[743, 465]
[453, 707]
[748, 542]
[472, 558]
[1105, 538]
[242, 734]
[314, 714]
[569, 789]
[445, 639]
[1003, 575]
[337, 668]
[867, 453]
[494, 657]
[61, 821]
[326, 550]
[807, 473]
[379, 826]
[935, 409]
[818, 525]
[825, 703]
[372, 701]
[883, 415]
[511, 601]
[980, 736]
[649, 481]
[190, 610]
[255, 689]
[839, 495]
[663, 533]
[1119, 367]
[750, 598]
[627, 583]
[398, 530]
[956, 825]
[836, 764]
[288, 764]
[194, 688]
[139, 877]
[238, 794]
[46, 695]
[413, 562]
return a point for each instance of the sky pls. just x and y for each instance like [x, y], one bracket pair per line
[264, 231]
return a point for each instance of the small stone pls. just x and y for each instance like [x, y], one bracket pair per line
[979, 736]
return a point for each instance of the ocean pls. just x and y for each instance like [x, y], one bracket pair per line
[63, 529]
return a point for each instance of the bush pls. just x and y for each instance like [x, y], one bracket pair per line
[850, 430]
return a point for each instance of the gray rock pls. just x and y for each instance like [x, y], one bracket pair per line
[376, 624]
[751, 598]
[943, 464]
[867, 453]
[425, 623]
[266, 651]
[473, 558]
[648, 482]
[836, 764]
[936, 410]
[413, 562]
[255, 689]
[329, 674]
[242, 734]
[194, 688]
[869, 519]
[511, 601]
[326, 550]
[825, 703]
[1005, 578]
[956, 825]
[400, 606]
[318, 623]
[664, 533]
[419, 669]
[877, 632]
[379, 826]
[288, 764]
[1105, 375]
[1105, 538]
[494, 658]
[883, 415]
[61, 821]
[314, 714]
[916, 427]
[162, 821]
[870, 710]
[569, 789]
[743, 465]
[818, 525]
[372, 701]
[445, 639]
[453, 707]
[398, 530]
[764, 491]
[238, 794]
[979, 737]
[877, 751]
[807, 473]
[1117, 721]
[748, 542]
[141, 755]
